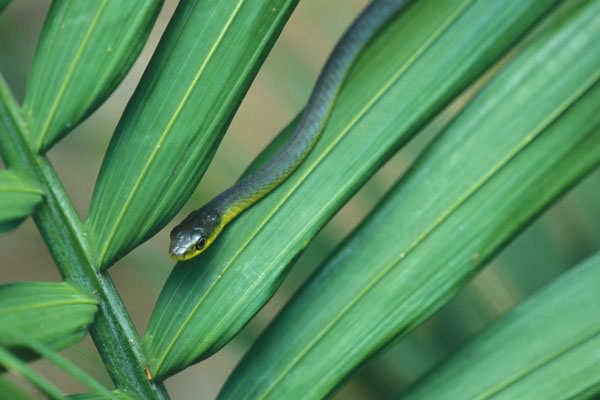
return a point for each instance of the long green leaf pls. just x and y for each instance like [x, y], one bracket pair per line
[18, 198]
[47, 353]
[13, 364]
[84, 51]
[3, 3]
[551, 343]
[203, 66]
[55, 314]
[409, 73]
[496, 167]
[12, 391]
[95, 396]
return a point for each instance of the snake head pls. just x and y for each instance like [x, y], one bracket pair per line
[186, 243]
[194, 234]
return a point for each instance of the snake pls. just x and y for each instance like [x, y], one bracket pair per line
[202, 226]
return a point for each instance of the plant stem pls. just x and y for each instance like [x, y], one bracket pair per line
[112, 331]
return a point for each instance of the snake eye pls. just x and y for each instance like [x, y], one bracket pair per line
[200, 244]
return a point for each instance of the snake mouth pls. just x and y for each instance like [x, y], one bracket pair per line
[180, 253]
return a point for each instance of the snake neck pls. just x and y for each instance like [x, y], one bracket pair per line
[212, 218]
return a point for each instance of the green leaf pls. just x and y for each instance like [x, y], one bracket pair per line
[412, 70]
[95, 396]
[551, 343]
[55, 314]
[112, 331]
[84, 51]
[3, 3]
[18, 199]
[496, 167]
[11, 391]
[13, 364]
[24, 338]
[196, 79]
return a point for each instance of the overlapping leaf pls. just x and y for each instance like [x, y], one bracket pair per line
[12, 391]
[18, 198]
[409, 72]
[203, 66]
[15, 335]
[84, 51]
[3, 3]
[497, 166]
[96, 396]
[17, 366]
[55, 314]
[551, 343]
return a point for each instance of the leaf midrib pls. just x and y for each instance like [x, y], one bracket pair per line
[69, 75]
[21, 189]
[48, 304]
[578, 341]
[167, 130]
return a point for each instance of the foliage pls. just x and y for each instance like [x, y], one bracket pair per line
[504, 361]
[525, 138]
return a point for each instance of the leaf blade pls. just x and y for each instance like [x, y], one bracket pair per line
[55, 314]
[12, 391]
[204, 64]
[18, 199]
[46, 352]
[14, 364]
[95, 396]
[504, 362]
[3, 3]
[99, 39]
[214, 295]
[468, 194]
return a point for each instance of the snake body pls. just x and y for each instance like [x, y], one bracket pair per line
[200, 228]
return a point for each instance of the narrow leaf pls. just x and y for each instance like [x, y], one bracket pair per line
[112, 331]
[47, 353]
[196, 79]
[505, 362]
[13, 364]
[56, 314]
[411, 70]
[18, 198]
[95, 396]
[496, 167]
[84, 51]
[12, 391]
[3, 3]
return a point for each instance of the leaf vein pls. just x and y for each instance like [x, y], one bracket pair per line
[167, 129]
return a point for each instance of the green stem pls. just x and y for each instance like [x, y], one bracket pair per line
[112, 331]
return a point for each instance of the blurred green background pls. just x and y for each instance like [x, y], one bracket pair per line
[566, 233]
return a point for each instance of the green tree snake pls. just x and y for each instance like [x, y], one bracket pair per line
[200, 228]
